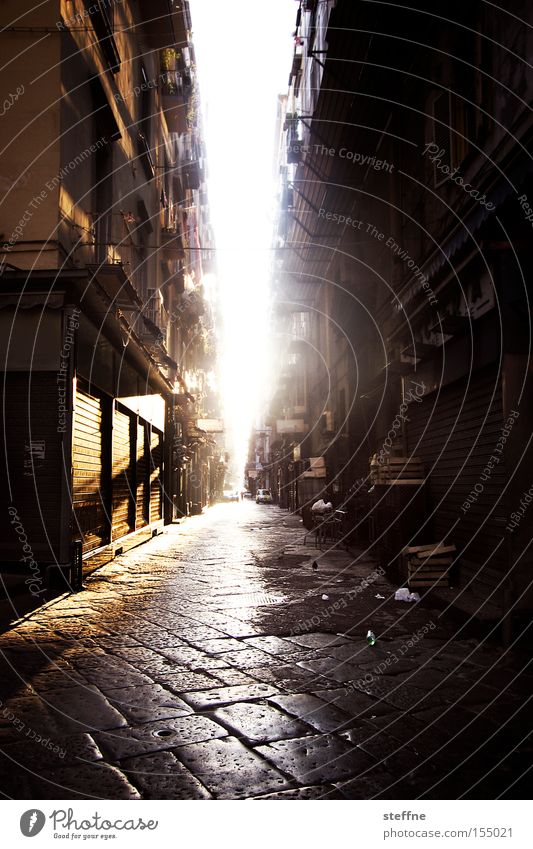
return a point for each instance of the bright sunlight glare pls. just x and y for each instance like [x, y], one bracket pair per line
[244, 53]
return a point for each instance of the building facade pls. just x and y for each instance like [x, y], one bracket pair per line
[106, 331]
[402, 275]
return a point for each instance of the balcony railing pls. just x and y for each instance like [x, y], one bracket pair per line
[176, 84]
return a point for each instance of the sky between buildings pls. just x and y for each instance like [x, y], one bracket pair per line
[244, 54]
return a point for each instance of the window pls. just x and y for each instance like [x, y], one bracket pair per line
[301, 325]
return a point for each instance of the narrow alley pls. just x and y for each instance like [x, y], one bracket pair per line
[228, 658]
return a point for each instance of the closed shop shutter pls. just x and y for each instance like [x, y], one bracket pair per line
[31, 465]
[88, 497]
[123, 478]
[142, 477]
[444, 435]
[156, 455]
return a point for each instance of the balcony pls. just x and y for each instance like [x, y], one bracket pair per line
[175, 88]
[193, 175]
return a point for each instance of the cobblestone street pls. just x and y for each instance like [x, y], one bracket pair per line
[216, 662]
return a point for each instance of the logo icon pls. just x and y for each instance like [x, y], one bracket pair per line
[32, 822]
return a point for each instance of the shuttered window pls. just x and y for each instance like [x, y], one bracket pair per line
[156, 456]
[88, 491]
[123, 479]
[455, 445]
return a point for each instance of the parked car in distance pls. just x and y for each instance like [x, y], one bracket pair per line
[263, 496]
[246, 493]
[231, 495]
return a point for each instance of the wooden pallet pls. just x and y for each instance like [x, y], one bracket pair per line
[429, 565]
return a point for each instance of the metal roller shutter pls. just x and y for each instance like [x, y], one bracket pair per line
[141, 477]
[444, 438]
[30, 457]
[88, 497]
[123, 480]
[155, 475]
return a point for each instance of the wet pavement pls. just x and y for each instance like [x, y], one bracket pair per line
[217, 661]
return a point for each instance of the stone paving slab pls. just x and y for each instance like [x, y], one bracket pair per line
[162, 776]
[259, 723]
[290, 679]
[106, 680]
[198, 635]
[220, 645]
[25, 715]
[204, 699]
[248, 658]
[272, 645]
[231, 677]
[375, 783]
[378, 744]
[355, 703]
[157, 640]
[75, 749]
[118, 641]
[187, 656]
[56, 678]
[139, 656]
[157, 736]
[147, 703]
[83, 781]
[313, 711]
[83, 707]
[317, 759]
[317, 640]
[205, 634]
[229, 770]
[184, 680]
[333, 669]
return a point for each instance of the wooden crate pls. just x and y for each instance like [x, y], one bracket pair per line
[429, 565]
[397, 470]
